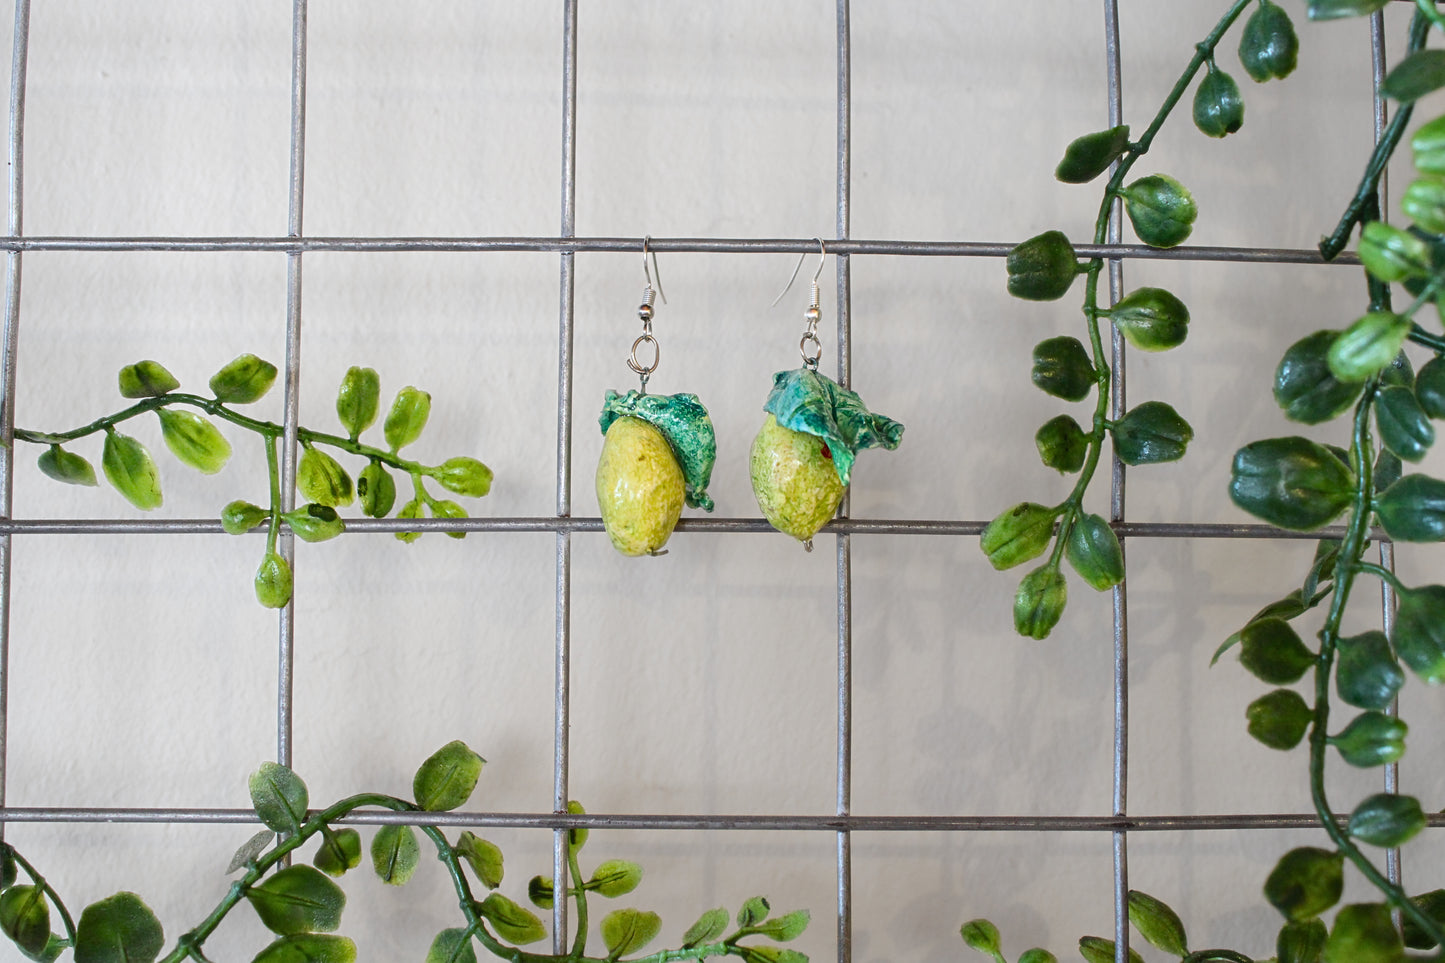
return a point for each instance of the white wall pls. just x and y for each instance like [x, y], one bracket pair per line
[143, 673]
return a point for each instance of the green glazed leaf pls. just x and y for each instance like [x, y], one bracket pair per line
[1364, 933]
[1366, 673]
[1290, 607]
[539, 891]
[1150, 433]
[484, 858]
[464, 476]
[407, 418]
[308, 948]
[358, 399]
[1371, 739]
[1430, 387]
[1218, 106]
[1039, 602]
[314, 523]
[615, 877]
[1151, 319]
[25, 918]
[1398, 372]
[515, 924]
[279, 797]
[445, 508]
[446, 780]
[1428, 144]
[298, 899]
[1021, 533]
[1161, 209]
[709, 926]
[67, 467]
[1089, 156]
[1290, 482]
[1096, 949]
[452, 946]
[1424, 203]
[1304, 385]
[628, 930]
[1094, 552]
[194, 440]
[1268, 47]
[395, 854]
[1366, 347]
[1305, 882]
[239, 517]
[1301, 942]
[1335, 9]
[321, 479]
[1433, 904]
[983, 936]
[250, 849]
[1062, 444]
[128, 467]
[1419, 632]
[1063, 369]
[1157, 923]
[375, 490]
[753, 911]
[1042, 268]
[273, 581]
[1273, 652]
[1392, 254]
[783, 928]
[1413, 509]
[1387, 819]
[1418, 74]
[146, 379]
[339, 852]
[1279, 719]
[244, 380]
[121, 929]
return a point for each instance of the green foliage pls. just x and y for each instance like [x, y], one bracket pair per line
[614, 877]
[483, 857]
[407, 417]
[1413, 509]
[1273, 652]
[128, 467]
[983, 936]
[1364, 933]
[1419, 632]
[1335, 9]
[463, 476]
[239, 517]
[340, 851]
[1089, 156]
[298, 899]
[243, 381]
[1366, 673]
[146, 379]
[1305, 387]
[1367, 346]
[628, 930]
[1062, 444]
[1150, 433]
[1094, 552]
[452, 946]
[322, 480]
[1042, 268]
[375, 490]
[1386, 819]
[1432, 905]
[1301, 941]
[1039, 602]
[709, 926]
[1305, 882]
[1371, 739]
[25, 919]
[1218, 106]
[1151, 319]
[1157, 923]
[279, 797]
[309, 948]
[1418, 74]
[446, 780]
[273, 581]
[121, 929]
[1279, 719]
[1161, 209]
[1392, 254]
[1096, 949]
[1290, 482]
[1404, 426]
[1268, 46]
[1018, 535]
[1062, 368]
[515, 924]
[1430, 387]
[67, 467]
[358, 399]
[395, 854]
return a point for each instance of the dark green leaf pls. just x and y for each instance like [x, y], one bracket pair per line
[1417, 75]
[8, 867]
[539, 891]
[615, 877]
[1089, 156]
[1392, 254]
[395, 854]
[783, 928]
[128, 466]
[25, 918]
[446, 780]
[452, 946]
[1039, 602]
[1094, 552]
[1063, 369]
[1335, 9]
[321, 479]
[1304, 386]
[1399, 372]
[239, 517]
[298, 899]
[1366, 673]
[1366, 347]
[146, 379]
[279, 797]
[753, 911]
[1430, 387]
[1218, 106]
[1305, 882]
[1157, 923]
[513, 923]
[358, 399]
[273, 581]
[464, 476]
[250, 849]
[121, 929]
[983, 936]
[1387, 819]
[309, 948]
[1279, 719]
[1268, 47]
[709, 926]
[1433, 905]
[1413, 509]
[376, 490]
[1161, 210]
[1301, 942]
[1273, 652]
[1019, 534]
[1062, 444]
[1322, 569]
[1096, 949]
[484, 858]
[244, 380]
[1371, 739]
[407, 418]
[629, 930]
[1150, 433]
[1151, 319]
[194, 440]
[1289, 607]
[1424, 203]
[1037, 955]
[1042, 268]
[1290, 482]
[1419, 632]
[314, 523]
[340, 851]
[1364, 933]
[1388, 469]
[67, 467]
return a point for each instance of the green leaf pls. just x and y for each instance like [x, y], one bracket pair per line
[247, 852]
[1279, 719]
[1161, 210]
[314, 523]
[1392, 254]
[395, 854]
[412, 509]
[244, 380]
[25, 918]
[298, 899]
[67, 467]
[1062, 444]
[515, 924]
[452, 946]
[309, 948]
[1150, 433]
[1433, 905]
[321, 479]
[1039, 602]
[1042, 268]
[375, 490]
[1413, 509]
[1430, 387]
[279, 797]
[753, 911]
[1157, 923]
[539, 891]
[121, 929]
[8, 868]
[1419, 632]
[1037, 955]
[1268, 47]
[407, 417]
[1424, 203]
[464, 476]
[1322, 569]
[239, 517]
[1335, 9]
[1304, 385]
[709, 926]
[1021, 533]
[146, 379]
[1063, 369]
[1218, 106]
[615, 877]
[576, 838]
[1364, 933]
[771, 954]
[628, 930]
[1151, 319]
[340, 851]
[273, 581]
[1089, 156]
[1273, 652]
[1428, 145]
[783, 928]
[1305, 882]
[128, 466]
[1301, 942]
[1387, 819]
[446, 780]
[444, 508]
[358, 399]
[1418, 74]
[1371, 739]
[1290, 482]
[1096, 949]
[1366, 673]
[1094, 552]
[1388, 469]
[983, 936]
[1366, 347]
[484, 858]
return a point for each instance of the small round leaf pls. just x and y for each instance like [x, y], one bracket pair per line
[1366, 673]
[1366, 347]
[452, 946]
[1039, 602]
[1387, 819]
[375, 490]
[1161, 209]
[244, 380]
[513, 923]
[1089, 156]
[146, 379]
[1392, 254]
[239, 517]
[1291, 482]
[1150, 433]
[1371, 739]
[1218, 106]
[1301, 942]
[25, 918]
[273, 581]
[358, 399]
[1062, 444]
[407, 418]
[395, 854]
[1413, 509]
[67, 467]
[1364, 933]
[1151, 319]
[194, 440]
[447, 778]
[279, 797]
[121, 929]
[1157, 923]
[1062, 368]
[629, 930]
[1418, 635]
[128, 467]
[1268, 47]
[483, 857]
[1305, 387]
[1094, 552]
[340, 851]
[321, 479]
[308, 948]
[1279, 719]
[298, 899]
[1273, 652]
[1042, 268]
[1430, 387]
[1019, 534]
[1305, 882]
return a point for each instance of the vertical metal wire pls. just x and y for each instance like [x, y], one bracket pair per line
[15, 221]
[563, 656]
[845, 550]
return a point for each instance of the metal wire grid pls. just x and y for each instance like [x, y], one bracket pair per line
[295, 244]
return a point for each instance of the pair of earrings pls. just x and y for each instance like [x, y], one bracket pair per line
[659, 450]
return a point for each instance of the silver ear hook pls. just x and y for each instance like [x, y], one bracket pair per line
[822, 258]
[809, 346]
[644, 311]
[647, 294]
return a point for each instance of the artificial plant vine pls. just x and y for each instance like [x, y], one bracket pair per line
[320, 478]
[302, 905]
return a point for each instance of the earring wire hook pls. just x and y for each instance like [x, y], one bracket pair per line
[822, 259]
[654, 270]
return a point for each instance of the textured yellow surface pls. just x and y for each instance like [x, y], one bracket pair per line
[796, 484]
[639, 487]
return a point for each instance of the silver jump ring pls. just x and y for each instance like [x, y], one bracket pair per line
[638, 366]
[810, 340]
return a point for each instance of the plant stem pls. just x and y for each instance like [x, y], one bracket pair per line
[49, 892]
[1427, 9]
[273, 469]
[1381, 573]
[579, 942]
[1432, 341]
